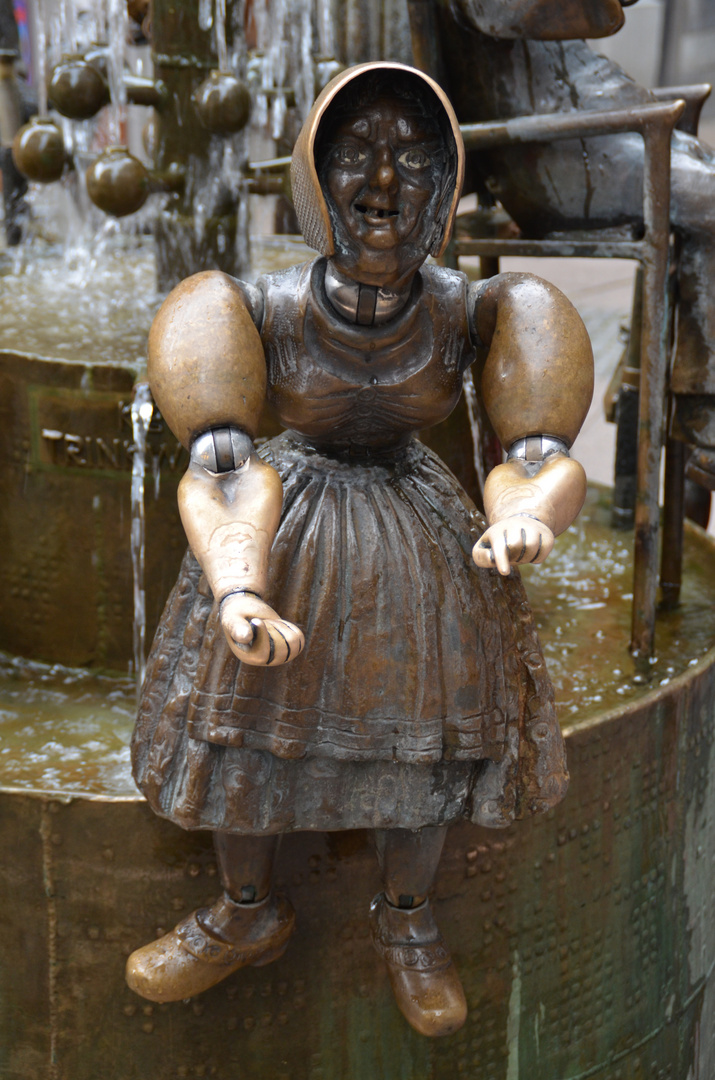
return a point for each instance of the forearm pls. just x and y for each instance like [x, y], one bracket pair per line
[230, 521]
[553, 492]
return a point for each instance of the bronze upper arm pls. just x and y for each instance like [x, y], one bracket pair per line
[541, 20]
[538, 374]
[206, 363]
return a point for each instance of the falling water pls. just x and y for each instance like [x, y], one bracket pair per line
[142, 411]
[304, 77]
[470, 397]
[221, 49]
[41, 59]
[276, 60]
[116, 52]
[206, 16]
[326, 29]
[257, 71]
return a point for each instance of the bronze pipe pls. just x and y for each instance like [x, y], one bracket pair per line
[694, 96]
[143, 91]
[547, 127]
[656, 206]
[671, 564]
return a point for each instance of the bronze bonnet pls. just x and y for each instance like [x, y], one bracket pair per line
[308, 198]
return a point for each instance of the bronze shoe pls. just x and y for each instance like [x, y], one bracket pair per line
[424, 980]
[209, 945]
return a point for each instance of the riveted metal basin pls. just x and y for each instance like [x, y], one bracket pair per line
[585, 940]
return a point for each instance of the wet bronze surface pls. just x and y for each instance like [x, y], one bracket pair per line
[499, 65]
[38, 151]
[528, 387]
[66, 439]
[542, 20]
[223, 103]
[206, 363]
[71, 345]
[117, 182]
[67, 731]
[183, 56]
[310, 205]
[77, 88]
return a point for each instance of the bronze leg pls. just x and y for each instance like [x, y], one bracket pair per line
[408, 862]
[248, 925]
[423, 978]
[246, 864]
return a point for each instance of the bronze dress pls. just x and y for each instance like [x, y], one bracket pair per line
[422, 694]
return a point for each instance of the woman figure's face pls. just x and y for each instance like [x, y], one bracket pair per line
[382, 180]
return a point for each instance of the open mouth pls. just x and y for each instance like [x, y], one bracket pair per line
[375, 215]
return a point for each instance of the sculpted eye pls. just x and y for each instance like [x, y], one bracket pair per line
[414, 159]
[349, 155]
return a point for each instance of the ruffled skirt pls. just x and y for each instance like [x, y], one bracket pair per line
[421, 695]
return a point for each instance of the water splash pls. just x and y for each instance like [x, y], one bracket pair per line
[67, 304]
[141, 413]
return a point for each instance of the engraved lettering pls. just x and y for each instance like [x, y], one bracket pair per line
[74, 445]
[67, 449]
[55, 440]
[110, 455]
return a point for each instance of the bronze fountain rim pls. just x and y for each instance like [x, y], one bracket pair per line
[571, 731]
[676, 685]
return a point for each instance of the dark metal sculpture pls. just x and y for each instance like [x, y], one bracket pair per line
[514, 59]
[506, 60]
[416, 692]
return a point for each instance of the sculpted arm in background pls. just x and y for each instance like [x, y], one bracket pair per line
[546, 20]
[207, 374]
[537, 386]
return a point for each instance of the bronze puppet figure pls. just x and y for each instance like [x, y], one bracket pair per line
[348, 645]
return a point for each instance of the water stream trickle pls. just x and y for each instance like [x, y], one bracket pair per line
[116, 56]
[142, 411]
[221, 49]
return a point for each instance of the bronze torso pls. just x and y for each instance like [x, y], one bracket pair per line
[347, 387]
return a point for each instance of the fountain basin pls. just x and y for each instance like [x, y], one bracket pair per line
[585, 939]
[66, 576]
[72, 344]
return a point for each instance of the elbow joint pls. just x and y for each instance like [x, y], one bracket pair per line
[221, 449]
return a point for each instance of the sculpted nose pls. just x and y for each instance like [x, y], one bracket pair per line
[383, 176]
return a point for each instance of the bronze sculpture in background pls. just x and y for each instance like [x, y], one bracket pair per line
[500, 59]
[415, 692]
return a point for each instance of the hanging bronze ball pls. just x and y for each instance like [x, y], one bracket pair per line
[38, 150]
[77, 89]
[117, 182]
[223, 103]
